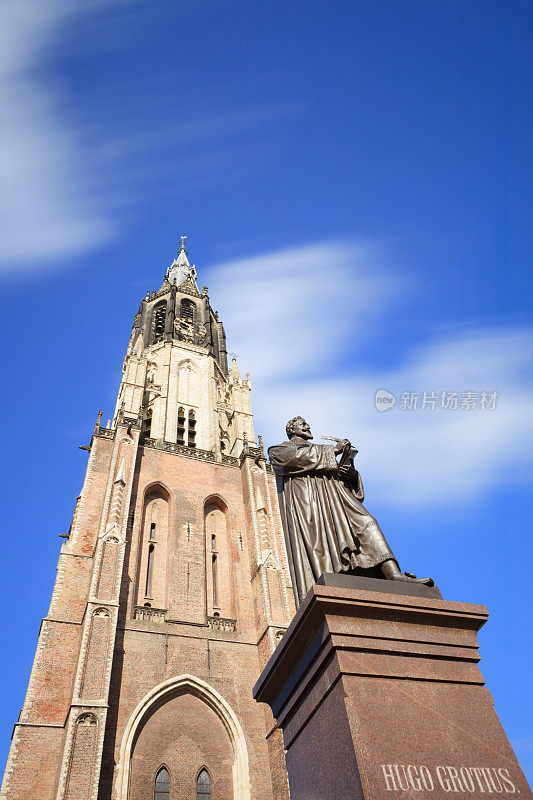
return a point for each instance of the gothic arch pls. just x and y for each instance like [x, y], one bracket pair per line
[152, 557]
[219, 572]
[162, 767]
[87, 719]
[169, 688]
[188, 362]
[203, 770]
[188, 310]
[159, 316]
[216, 500]
[188, 386]
[157, 488]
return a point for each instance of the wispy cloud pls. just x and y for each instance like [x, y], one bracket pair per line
[294, 303]
[299, 314]
[65, 180]
[196, 130]
[48, 209]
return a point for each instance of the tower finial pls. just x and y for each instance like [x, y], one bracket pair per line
[180, 269]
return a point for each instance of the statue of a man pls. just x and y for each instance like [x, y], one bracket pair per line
[327, 528]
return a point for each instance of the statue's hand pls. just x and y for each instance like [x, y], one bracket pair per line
[341, 445]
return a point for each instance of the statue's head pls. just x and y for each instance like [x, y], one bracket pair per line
[297, 426]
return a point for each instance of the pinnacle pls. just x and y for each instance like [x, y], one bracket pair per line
[235, 369]
[181, 269]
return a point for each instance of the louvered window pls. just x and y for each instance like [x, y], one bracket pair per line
[192, 429]
[147, 424]
[187, 310]
[180, 438]
[159, 320]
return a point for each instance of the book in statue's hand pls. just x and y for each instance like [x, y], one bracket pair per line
[346, 459]
[347, 456]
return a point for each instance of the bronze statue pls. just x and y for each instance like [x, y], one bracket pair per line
[327, 528]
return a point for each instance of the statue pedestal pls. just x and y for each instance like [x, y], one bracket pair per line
[379, 695]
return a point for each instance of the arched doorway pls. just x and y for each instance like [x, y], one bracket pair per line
[185, 720]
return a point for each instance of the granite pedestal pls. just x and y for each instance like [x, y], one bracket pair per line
[379, 695]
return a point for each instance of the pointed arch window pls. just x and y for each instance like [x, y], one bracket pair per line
[218, 565]
[203, 786]
[214, 569]
[180, 438]
[214, 578]
[192, 429]
[162, 785]
[149, 570]
[187, 310]
[160, 313]
[151, 577]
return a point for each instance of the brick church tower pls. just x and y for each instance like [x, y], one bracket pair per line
[172, 589]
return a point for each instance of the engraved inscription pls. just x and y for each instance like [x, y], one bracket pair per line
[467, 780]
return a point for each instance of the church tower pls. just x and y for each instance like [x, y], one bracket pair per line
[172, 588]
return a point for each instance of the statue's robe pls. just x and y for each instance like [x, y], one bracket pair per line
[327, 528]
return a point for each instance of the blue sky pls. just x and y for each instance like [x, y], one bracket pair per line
[353, 179]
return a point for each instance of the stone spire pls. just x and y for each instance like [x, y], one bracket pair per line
[180, 269]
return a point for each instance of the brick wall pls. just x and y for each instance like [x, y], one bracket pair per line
[185, 732]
